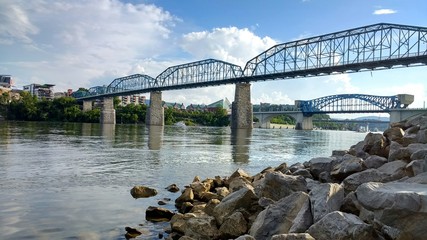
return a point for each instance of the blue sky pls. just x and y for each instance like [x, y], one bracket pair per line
[84, 43]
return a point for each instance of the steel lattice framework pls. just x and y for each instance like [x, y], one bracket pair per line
[373, 47]
[349, 103]
[203, 73]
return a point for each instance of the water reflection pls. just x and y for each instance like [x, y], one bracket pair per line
[155, 136]
[108, 131]
[240, 141]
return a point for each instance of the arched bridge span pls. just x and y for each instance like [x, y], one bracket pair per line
[373, 47]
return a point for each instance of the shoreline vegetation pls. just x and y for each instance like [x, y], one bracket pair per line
[374, 190]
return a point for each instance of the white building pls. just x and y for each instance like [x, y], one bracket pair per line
[40, 90]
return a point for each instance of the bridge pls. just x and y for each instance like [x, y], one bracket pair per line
[303, 110]
[374, 47]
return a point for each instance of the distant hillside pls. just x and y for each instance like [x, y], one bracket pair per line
[376, 118]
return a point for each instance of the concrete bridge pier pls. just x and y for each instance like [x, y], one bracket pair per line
[397, 115]
[87, 106]
[303, 122]
[108, 113]
[155, 112]
[241, 109]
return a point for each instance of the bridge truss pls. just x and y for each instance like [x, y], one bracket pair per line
[349, 103]
[374, 47]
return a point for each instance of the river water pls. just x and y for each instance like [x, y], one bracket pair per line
[72, 180]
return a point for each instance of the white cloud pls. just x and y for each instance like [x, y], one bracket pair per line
[274, 97]
[384, 11]
[79, 43]
[229, 44]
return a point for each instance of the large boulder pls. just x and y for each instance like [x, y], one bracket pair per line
[234, 226]
[202, 227]
[289, 214]
[400, 205]
[277, 185]
[395, 170]
[374, 161]
[347, 167]
[394, 134]
[143, 192]
[375, 144]
[355, 180]
[186, 196]
[158, 214]
[243, 198]
[238, 183]
[420, 178]
[326, 198]
[341, 226]
[319, 165]
[416, 167]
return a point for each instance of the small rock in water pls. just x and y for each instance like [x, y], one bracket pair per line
[156, 214]
[143, 192]
[172, 188]
[131, 233]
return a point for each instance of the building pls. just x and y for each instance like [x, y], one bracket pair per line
[223, 103]
[133, 99]
[174, 105]
[40, 90]
[6, 81]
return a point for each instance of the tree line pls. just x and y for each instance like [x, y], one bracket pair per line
[67, 109]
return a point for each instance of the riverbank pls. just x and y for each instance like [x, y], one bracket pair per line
[373, 190]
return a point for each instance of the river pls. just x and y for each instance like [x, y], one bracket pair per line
[72, 180]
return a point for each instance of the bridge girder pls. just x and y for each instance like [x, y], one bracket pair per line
[131, 82]
[378, 46]
[203, 73]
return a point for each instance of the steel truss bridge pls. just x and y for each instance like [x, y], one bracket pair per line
[342, 103]
[373, 47]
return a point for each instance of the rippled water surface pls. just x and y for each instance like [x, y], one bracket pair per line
[72, 181]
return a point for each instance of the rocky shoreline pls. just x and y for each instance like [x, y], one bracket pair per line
[375, 190]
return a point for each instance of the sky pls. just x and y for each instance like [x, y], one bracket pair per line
[86, 43]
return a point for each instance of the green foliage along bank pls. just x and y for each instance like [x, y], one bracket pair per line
[67, 109]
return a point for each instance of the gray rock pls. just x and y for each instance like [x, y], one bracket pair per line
[422, 136]
[234, 226]
[303, 172]
[293, 236]
[375, 161]
[395, 170]
[320, 164]
[210, 206]
[398, 152]
[290, 214]
[277, 185]
[420, 154]
[350, 204]
[399, 205]
[172, 188]
[339, 153]
[326, 198]
[202, 227]
[238, 183]
[296, 166]
[243, 198]
[371, 175]
[178, 221]
[347, 167]
[420, 178]
[341, 226]
[374, 144]
[143, 192]
[416, 167]
[357, 150]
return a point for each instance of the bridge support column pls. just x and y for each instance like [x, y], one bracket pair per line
[108, 113]
[155, 113]
[241, 109]
[303, 123]
[87, 106]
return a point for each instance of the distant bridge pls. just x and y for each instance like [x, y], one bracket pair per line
[373, 47]
[342, 103]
